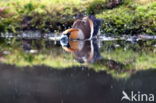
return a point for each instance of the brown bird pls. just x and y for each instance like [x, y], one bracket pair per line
[83, 28]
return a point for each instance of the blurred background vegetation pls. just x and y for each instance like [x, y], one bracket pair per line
[119, 16]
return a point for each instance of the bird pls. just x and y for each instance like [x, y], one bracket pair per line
[86, 27]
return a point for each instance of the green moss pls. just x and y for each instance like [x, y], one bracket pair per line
[130, 20]
[96, 6]
[43, 15]
[130, 17]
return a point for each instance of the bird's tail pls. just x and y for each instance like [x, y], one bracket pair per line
[97, 24]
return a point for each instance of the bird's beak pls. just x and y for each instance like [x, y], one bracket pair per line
[64, 40]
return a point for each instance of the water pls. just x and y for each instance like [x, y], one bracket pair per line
[119, 56]
[42, 84]
[39, 70]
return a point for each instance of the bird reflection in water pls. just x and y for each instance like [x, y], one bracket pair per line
[83, 51]
[87, 51]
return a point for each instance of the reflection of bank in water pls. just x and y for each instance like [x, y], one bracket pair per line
[84, 51]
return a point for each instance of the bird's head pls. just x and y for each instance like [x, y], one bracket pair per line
[64, 40]
[69, 34]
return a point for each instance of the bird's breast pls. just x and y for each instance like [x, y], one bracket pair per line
[73, 35]
[77, 35]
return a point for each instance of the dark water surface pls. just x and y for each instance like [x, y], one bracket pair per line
[42, 84]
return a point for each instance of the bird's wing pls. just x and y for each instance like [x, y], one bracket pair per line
[84, 26]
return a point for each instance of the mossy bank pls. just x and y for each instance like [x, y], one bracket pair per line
[125, 17]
